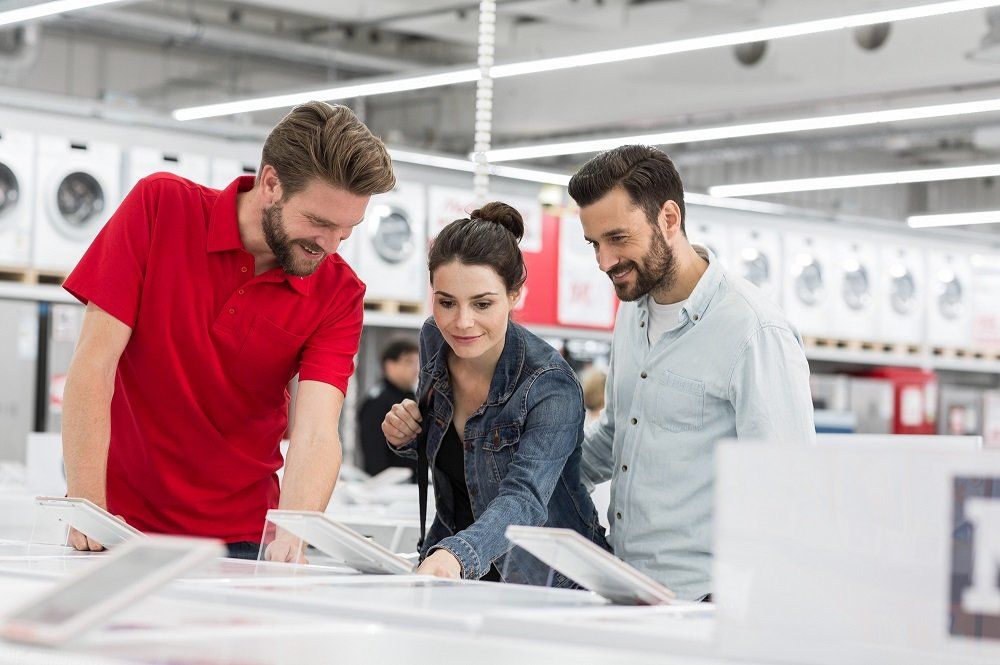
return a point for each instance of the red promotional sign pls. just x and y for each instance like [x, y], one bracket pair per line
[538, 297]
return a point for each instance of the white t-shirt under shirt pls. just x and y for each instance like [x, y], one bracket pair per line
[662, 318]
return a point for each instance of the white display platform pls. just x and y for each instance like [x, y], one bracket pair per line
[827, 555]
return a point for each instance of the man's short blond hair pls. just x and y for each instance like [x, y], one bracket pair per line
[327, 142]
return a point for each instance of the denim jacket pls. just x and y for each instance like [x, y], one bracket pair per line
[522, 456]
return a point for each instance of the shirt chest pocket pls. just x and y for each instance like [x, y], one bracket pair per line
[500, 444]
[679, 403]
[268, 358]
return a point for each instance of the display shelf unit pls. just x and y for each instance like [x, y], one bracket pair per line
[412, 321]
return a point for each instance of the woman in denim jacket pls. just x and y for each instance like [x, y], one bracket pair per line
[506, 412]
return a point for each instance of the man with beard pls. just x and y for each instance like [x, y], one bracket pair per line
[698, 355]
[201, 306]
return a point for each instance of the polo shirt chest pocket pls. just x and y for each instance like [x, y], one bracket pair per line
[268, 358]
[500, 444]
[679, 403]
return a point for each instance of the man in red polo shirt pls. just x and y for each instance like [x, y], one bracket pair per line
[201, 306]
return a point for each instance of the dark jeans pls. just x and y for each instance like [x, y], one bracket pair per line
[243, 550]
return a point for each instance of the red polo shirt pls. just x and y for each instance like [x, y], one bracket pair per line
[200, 399]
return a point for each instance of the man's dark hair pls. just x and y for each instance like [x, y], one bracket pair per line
[396, 349]
[644, 172]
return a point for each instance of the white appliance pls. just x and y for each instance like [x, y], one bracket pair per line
[142, 161]
[713, 235]
[904, 303]
[17, 175]
[78, 191]
[226, 169]
[857, 289]
[949, 295]
[756, 256]
[807, 288]
[390, 245]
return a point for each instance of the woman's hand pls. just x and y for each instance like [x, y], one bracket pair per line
[402, 423]
[441, 563]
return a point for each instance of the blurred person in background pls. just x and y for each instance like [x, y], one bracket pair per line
[593, 381]
[400, 368]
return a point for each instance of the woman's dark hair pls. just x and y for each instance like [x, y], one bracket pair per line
[488, 237]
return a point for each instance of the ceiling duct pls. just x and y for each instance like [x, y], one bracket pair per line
[194, 33]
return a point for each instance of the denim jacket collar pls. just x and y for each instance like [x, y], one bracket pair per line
[509, 366]
[703, 292]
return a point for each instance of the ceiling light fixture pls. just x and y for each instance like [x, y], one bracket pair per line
[43, 9]
[855, 180]
[747, 130]
[386, 85]
[954, 219]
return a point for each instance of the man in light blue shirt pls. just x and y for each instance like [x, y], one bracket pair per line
[698, 355]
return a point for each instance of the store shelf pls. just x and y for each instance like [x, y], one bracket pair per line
[36, 292]
[924, 361]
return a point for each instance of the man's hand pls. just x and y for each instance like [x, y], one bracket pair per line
[441, 563]
[402, 423]
[82, 543]
[285, 549]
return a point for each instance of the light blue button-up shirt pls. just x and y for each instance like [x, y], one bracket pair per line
[732, 367]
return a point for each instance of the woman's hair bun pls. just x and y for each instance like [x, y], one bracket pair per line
[502, 214]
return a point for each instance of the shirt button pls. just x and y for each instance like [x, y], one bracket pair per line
[618, 515]
[232, 310]
[642, 324]
[643, 375]
[244, 269]
[624, 467]
[695, 317]
[242, 292]
[634, 420]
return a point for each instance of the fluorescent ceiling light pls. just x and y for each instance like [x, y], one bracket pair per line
[748, 129]
[856, 180]
[43, 9]
[384, 85]
[365, 88]
[458, 164]
[954, 219]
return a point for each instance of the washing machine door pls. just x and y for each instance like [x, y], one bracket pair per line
[809, 286]
[902, 290]
[10, 192]
[755, 266]
[80, 201]
[951, 296]
[392, 233]
[856, 288]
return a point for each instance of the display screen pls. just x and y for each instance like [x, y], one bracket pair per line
[104, 582]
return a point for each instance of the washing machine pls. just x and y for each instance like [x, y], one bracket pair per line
[226, 169]
[17, 176]
[78, 190]
[904, 302]
[713, 235]
[390, 245]
[142, 161]
[949, 296]
[856, 288]
[756, 256]
[807, 293]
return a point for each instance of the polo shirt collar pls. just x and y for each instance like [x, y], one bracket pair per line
[223, 227]
[224, 233]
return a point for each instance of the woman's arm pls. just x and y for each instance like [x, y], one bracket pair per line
[551, 432]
